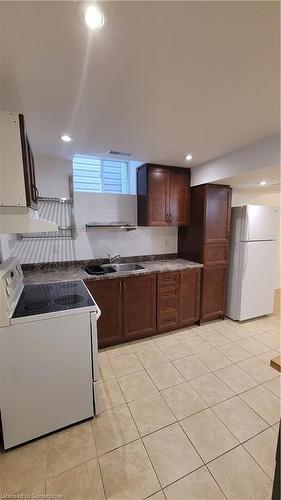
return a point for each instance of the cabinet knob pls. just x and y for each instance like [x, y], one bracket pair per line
[170, 217]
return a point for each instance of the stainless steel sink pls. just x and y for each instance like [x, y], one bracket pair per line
[126, 267]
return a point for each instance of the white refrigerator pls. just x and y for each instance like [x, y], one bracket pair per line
[252, 261]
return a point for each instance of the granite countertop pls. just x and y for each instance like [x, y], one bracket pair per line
[74, 272]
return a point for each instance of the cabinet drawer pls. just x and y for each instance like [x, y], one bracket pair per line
[216, 253]
[168, 279]
[168, 291]
[167, 319]
[168, 302]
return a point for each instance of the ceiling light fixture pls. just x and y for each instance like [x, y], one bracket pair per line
[66, 138]
[93, 17]
[188, 157]
[262, 183]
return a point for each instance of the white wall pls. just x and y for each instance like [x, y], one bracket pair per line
[52, 179]
[52, 176]
[255, 197]
[7, 242]
[261, 154]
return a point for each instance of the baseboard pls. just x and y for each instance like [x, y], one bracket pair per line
[277, 299]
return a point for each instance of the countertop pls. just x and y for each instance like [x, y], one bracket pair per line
[70, 273]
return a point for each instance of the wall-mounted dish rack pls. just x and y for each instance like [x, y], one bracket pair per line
[59, 210]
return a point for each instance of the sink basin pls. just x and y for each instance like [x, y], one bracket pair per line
[97, 270]
[126, 267]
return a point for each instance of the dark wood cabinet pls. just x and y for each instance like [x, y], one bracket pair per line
[179, 196]
[213, 292]
[167, 301]
[158, 196]
[178, 299]
[163, 195]
[28, 167]
[108, 295]
[206, 240]
[139, 305]
[144, 305]
[189, 296]
[218, 211]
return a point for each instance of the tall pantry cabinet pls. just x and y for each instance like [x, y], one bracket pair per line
[206, 240]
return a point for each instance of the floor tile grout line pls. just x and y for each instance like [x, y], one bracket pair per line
[257, 461]
[253, 408]
[254, 435]
[199, 467]
[146, 451]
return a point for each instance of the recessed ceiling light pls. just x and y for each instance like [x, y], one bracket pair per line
[188, 157]
[66, 138]
[262, 183]
[93, 17]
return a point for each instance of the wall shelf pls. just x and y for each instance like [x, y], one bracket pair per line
[119, 225]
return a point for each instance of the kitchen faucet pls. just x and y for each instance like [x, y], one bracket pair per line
[114, 258]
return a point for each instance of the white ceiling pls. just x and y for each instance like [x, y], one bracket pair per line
[250, 180]
[159, 79]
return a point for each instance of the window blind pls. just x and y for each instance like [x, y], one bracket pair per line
[99, 175]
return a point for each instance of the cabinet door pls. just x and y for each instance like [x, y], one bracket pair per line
[189, 296]
[213, 292]
[139, 305]
[108, 295]
[158, 196]
[28, 167]
[217, 218]
[167, 301]
[215, 253]
[179, 199]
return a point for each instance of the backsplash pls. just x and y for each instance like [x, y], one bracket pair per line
[96, 243]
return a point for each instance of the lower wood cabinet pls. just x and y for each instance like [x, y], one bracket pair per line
[108, 296]
[167, 301]
[213, 292]
[178, 299]
[141, 306]
[189, 297]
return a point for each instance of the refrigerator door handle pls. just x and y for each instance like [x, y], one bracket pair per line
[245, 258]
[247, 224]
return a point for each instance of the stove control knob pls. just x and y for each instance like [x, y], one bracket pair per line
[9, 291]
[19, 269]
[8, 281]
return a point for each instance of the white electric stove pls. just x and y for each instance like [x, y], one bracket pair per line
[48, 355]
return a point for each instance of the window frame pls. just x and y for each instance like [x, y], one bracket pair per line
[125, 175]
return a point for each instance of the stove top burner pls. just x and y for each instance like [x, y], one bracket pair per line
[35, 306]
[52, 297]
[69, 300]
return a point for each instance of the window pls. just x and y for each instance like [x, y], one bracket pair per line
[100, 175]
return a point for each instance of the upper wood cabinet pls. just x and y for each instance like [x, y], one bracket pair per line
[206, 239]
[217, 219]
[28, 167]
[17, 173]
[163, 195]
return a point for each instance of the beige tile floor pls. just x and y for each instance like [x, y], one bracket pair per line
[188, 415]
